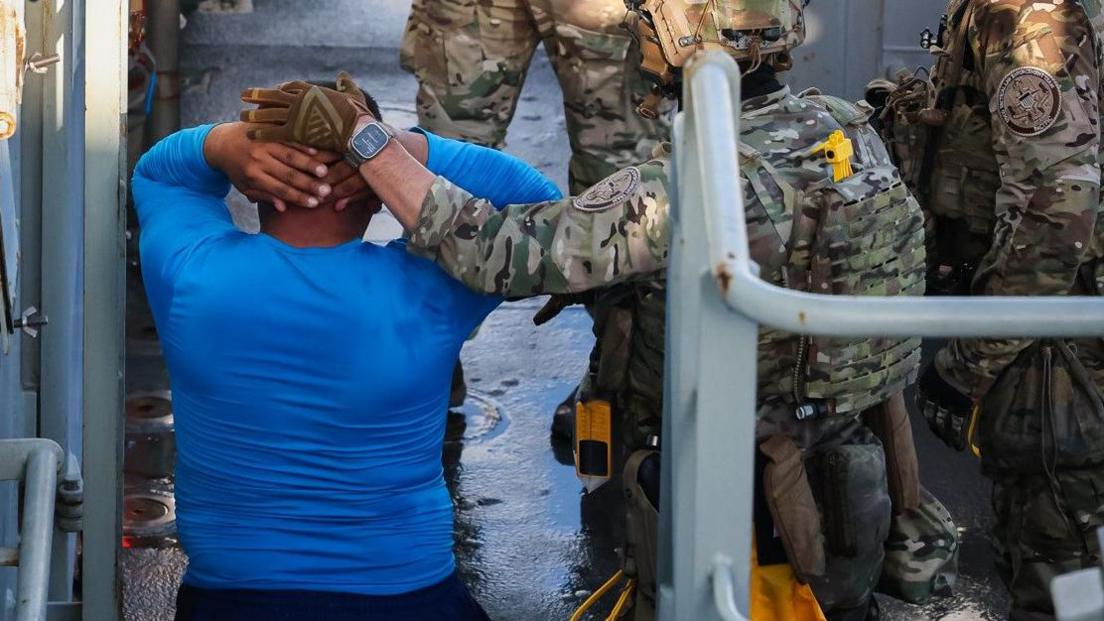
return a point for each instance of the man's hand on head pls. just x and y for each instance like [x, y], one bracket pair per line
[306, 114]
[272, 172]
[348, 185]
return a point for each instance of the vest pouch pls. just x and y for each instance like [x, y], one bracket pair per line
[902, 129]
[1044, 413]
[793, 507]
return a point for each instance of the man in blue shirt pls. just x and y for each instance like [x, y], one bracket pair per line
[310, 376]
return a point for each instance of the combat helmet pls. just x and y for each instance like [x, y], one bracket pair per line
[671, 32]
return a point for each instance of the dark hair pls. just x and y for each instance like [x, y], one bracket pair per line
[373, 107]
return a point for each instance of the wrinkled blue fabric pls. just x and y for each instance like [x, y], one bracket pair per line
[310, 385]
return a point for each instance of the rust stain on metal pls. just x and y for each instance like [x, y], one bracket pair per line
[801, 317]
[724, 279]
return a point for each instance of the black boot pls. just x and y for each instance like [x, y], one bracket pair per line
[459, 390]
[563, 419]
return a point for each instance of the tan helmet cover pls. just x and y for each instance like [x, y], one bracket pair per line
[672, 31]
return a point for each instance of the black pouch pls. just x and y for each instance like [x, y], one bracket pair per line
[1044, 413]
[849, 482]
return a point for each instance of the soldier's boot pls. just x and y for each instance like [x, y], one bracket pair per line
[459, 391]
[563, 418]
[641, 485]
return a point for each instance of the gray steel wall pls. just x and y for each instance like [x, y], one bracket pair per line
[852, 41]
[41, 208]
[14, 422]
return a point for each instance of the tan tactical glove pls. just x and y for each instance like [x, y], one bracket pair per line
[306, 114]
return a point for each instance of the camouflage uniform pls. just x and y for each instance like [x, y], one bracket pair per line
[1006, 159]
[471, 58]
[618, 231]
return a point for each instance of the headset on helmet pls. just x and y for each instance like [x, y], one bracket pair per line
[670, 32]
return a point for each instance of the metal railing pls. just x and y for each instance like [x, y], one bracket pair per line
[709, 424]
[36, 463]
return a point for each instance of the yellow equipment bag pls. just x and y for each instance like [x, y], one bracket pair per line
[776, 595]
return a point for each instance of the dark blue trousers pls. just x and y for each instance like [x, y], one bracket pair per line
[446, 601]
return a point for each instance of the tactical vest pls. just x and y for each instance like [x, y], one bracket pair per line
[859, 236]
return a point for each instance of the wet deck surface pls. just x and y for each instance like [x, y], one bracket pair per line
[529, 544]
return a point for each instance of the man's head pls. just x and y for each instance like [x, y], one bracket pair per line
[355, 217]
[754, 32]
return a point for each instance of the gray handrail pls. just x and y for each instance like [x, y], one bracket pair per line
[828, 315]
[36, 462]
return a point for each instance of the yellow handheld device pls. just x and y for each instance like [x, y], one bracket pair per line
[593, 443]
[838, 152]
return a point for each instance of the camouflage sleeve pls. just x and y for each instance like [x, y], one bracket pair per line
[615, 231]
[1042, 74]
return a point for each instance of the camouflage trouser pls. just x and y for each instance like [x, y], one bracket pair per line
[471, 58]
[1044, 528]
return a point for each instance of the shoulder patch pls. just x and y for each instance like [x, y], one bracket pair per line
[609, 192]
[1029, 101]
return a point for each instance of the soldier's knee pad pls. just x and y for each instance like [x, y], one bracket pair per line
[849, 483]
[921, 553]
[641, 484]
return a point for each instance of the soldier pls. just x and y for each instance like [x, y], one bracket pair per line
[1002, 147]
[471, 59]
[814, 226]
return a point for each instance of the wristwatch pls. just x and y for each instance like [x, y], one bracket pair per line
[367, 143]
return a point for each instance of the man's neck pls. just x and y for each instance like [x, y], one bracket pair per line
[302, 228]
[762, 81]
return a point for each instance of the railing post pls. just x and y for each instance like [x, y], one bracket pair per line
[105, 39]
[36, 533]
[706, 508]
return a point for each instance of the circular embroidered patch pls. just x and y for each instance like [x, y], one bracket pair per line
[1029, 101]
[609, 192]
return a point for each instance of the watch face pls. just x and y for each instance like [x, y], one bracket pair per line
[370, 141]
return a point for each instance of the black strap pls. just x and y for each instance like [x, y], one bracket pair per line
[944, 100]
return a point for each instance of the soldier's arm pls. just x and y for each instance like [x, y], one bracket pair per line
[1041, 79]
[616, 231]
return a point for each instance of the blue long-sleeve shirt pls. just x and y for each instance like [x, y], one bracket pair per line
[309, 384]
